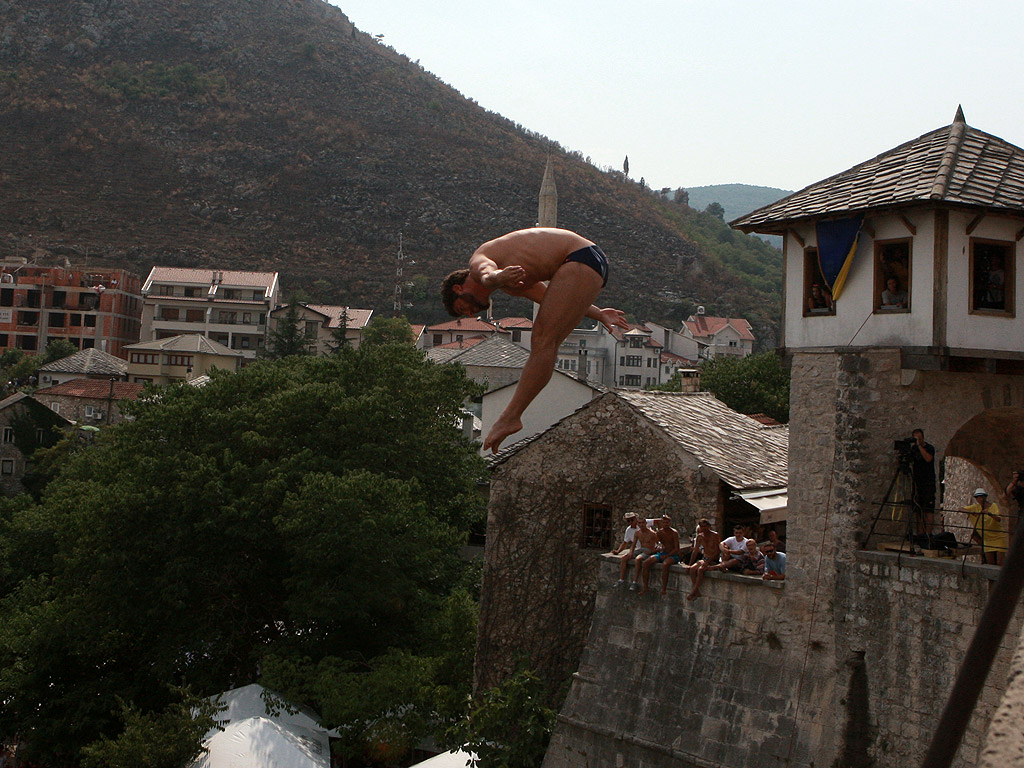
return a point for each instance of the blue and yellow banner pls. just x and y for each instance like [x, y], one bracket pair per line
[837, 243]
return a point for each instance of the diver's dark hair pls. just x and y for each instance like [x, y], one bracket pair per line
[448, 294]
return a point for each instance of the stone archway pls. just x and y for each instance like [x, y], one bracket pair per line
[984, 452]
[993, 441]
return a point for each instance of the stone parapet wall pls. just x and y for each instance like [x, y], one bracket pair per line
[669, 682]
[911, 623]
[730, 679]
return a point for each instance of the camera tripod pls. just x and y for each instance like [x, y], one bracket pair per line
[901, 495]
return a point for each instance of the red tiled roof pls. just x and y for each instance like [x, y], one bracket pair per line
[96, 389]
[702, 326]
[672, 357]
[230, 278]
[764, 419]
[515, 322]
[465, 324]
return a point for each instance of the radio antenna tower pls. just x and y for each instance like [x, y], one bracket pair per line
[399, 269]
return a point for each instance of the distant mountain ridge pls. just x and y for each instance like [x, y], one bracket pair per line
[272, 135]
[737, 199]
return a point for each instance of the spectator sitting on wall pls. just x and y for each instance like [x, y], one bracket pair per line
[646, 544]
[774, 564]
[625, 547]
[819, 302]
[707, 551]
[753, 560]
[772, 537]
[892, 296]
[667, 555]
[733, 550]
[987, 528]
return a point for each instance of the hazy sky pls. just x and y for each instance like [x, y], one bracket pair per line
[780, 93]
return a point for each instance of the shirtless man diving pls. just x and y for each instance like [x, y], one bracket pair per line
[519, 263]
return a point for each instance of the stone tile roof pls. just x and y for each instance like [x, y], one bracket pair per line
[706, 326]
[357, 318]
[88, 361]
[94, 389]
[493, 352]
[740, 450]
[189, 342]
[956, 165]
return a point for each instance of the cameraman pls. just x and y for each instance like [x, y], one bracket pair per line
[1015, 491]
[923, 456]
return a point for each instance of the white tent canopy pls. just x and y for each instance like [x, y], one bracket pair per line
[258, 742]
[458, 759]
[255, 737]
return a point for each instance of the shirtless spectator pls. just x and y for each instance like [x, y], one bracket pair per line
[626, 546]
[774, 564]
[753, 560]
[707, 551]
[644, 544]
[667, 554]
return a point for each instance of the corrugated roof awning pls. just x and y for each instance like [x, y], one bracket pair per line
[772, 504]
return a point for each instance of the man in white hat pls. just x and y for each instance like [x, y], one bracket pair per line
[987, 528]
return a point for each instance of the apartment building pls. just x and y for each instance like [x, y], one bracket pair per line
[92, 308]
[228, 307]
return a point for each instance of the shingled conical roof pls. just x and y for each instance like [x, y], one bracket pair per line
[956, 165]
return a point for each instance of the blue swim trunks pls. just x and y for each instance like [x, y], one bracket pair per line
[663, 556]
[594, 258]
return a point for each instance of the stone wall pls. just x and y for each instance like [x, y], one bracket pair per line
[730, 679]
[539, 582]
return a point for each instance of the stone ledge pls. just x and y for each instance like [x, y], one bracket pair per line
[613, 560]
[920, 562]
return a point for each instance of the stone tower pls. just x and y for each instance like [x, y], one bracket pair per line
[547, 203]
[903, 278]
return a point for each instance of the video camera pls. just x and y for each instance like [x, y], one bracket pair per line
[905, 448]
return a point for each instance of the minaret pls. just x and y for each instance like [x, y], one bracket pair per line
[547, 203]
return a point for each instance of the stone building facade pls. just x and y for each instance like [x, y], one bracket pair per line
[558, 502]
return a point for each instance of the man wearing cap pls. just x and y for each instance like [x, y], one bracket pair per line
[987, 528]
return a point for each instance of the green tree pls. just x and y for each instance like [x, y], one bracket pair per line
[168, 739]
[510, 725]
[339, 336]
[287, 338]
[716, 209]
[225, 529]
[57, 349]
[388, 330]
[754, 384]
